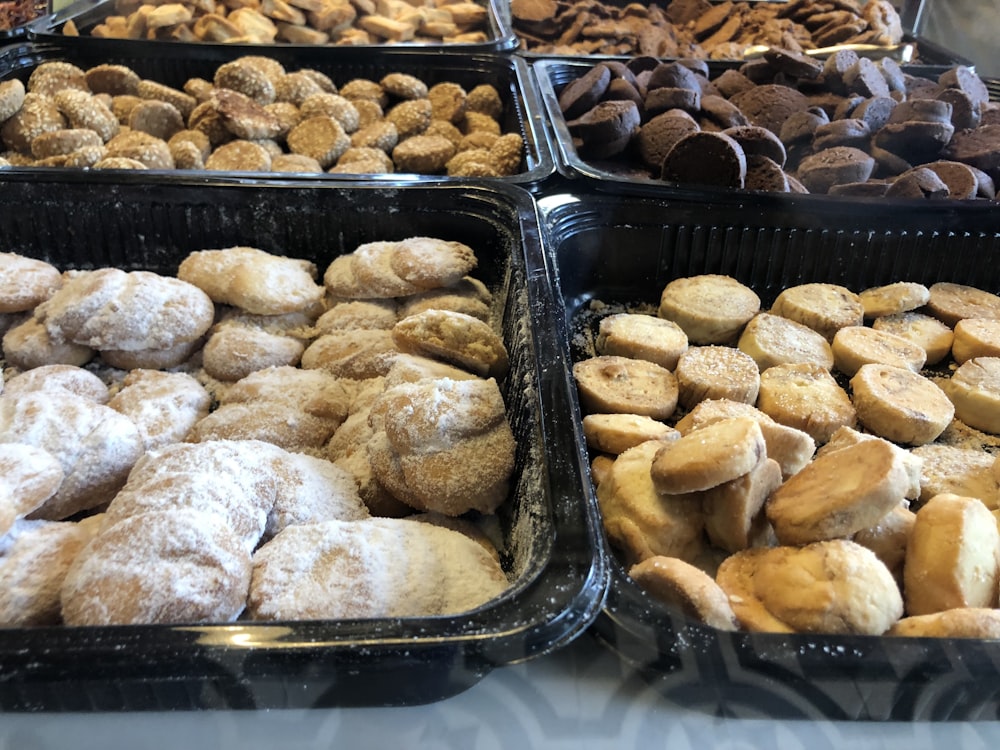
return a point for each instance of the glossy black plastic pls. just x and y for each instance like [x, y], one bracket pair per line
[622, 250]
[86, 14]
[172, 65]
[551, 538]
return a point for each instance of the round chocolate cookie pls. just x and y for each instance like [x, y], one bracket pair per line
[757, 140]
[961, 179]
[965, 113]
[847, 132]
[732, 82]
[770, 105]
[712, 159]
[865, 79]
[585, 92]
[658, 135]
[866, 189]
[963, 79]
[834, 166]
[836, 66]
[919, 182]
[794, 64]
[718, 111]
[606, 129]
[765, 174]
[875, 111]
[978, 148]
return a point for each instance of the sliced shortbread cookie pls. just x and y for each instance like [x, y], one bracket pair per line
[717, 453]
[711, 308]
[974, 389]
[716, 372]
[682, 585]
[962, 622]
[888, 538]
[616, 433]
[732, 508]
[641, 337]
[639, 520]
[826, 308]
[773, 340]
[892, 299]
[806, 397]
[929, 333]
[951, 303]
[952, 469]
[608, 384]
[953, 556]
[846, 436]
[976, 337]
[899, 404]
[838, 493]
[854, 346]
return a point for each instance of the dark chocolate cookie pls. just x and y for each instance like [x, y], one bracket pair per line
[711, 159]
[834, 166]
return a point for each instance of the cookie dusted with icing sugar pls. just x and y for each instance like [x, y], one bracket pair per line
[129, 311]
[253, 280]
[25, 282]
[28, 477]
[381, 567]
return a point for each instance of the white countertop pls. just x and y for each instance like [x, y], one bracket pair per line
[580, 698]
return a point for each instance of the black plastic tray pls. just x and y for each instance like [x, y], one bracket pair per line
[550, 533]
[169, 64]
[86, 14]
[553, 74]
[622, 250]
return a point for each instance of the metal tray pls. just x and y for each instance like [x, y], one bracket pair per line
[172, 65]
[86, 14]
[622, 250]
[551, 541]
[553, 74]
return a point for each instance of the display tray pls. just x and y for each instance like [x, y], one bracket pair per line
[553, 75]
[620, 251]
[550, 538]
[87, 14]
[171, 66]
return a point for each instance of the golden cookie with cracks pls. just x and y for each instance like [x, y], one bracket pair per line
[682, 585]
[456, 338]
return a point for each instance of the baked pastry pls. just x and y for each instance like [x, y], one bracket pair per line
[888, 539]
[34, 559]
[838, 493]
[163, 566]
[929, 333]
[28, 345]
[377, 568]
[976, 337]
[616, 433]
[95, 445]
[443, 445]
[707, 457]
[610, 384]
[28, 476]
[952, 469]
[241, 344]
[679, 584]
[253, 280]
[164, 406]
[710, 308]
[974, 389]
[899, 404]
[641, 522]
[69, 379]
[826, 308]
[25, 282]
[953, 556]
[911, 458]
[807, 397]
[962, 622]
[716, 372]
[312, 490]
[456, 338]
[733, 509]
[641, 336]
[835, 586]
[855, 346]
[950, 302]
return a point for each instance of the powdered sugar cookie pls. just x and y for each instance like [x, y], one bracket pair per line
[164, 406]
[28, 477]
[25, 282]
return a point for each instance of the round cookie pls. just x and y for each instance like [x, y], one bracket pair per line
[835, 166]
[680, 584]
[453, 337]
[773, 340]
[613, 384]
[899, 404]
[710, 308]
[974, 389]
[807, 397]
[705, 458]
[641, 337]
[716, 372]
[705, 158]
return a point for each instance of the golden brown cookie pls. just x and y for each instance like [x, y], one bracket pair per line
[455, 338]
[609, 384]
[712, 309]
[705, 458]
[682, 585]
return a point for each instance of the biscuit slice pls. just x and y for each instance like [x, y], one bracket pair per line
[976, 337]
[951, 303]
[716, 372]
[679, 584]
[846, 436]
[641, 522]
[838, 494]
[930, 334]
[826, 308]
[854, 346]
[611, 384]
[807, 397]
[641, 337]
[710, 308]
[456, 338]
[834, 586]
[961, 622]
[732, 508]
[705, 458]
[616, 433]
[888, 539]
[899, 404]
[892, 299]
[773, 340]
[974, 389]
[952, 469]
[953, 556]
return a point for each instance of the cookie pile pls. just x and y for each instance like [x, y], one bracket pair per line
[814, 467]
[254, 116]
[251, 438]
[787, 123]
[699, 28]
[335, 22]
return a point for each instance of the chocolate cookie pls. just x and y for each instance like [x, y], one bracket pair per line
[585, 92]
[770, 105]
[919, 182]
[757, 140]
[834, 166]
[793, 64]
[847, 132]
[705, 158]
[765, 174]
[660, 134]
[606, 129]
[978, 148]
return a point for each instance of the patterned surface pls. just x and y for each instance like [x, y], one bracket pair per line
[580, 698]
